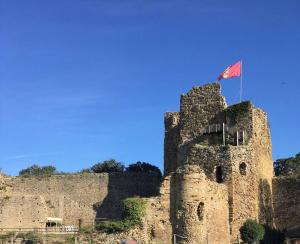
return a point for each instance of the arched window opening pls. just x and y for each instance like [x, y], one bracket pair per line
[200, 211]
[243, 168]
[219, 174]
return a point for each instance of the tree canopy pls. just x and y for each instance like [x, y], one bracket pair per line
[287, 166]
[36, 170]
[108, 166]
[144, 167]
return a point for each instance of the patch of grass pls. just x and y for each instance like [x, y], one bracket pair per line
[114, 226]
[86, 229]
[32, 237]
[7, 235]
[70, 239]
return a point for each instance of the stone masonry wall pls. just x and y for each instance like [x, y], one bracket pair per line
[200, 207]
[242, 189]
[29, 201]
[199, 107]
[232, 147]
[286, 202]
[171, 142]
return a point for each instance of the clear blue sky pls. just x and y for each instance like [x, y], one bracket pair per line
[86, 80]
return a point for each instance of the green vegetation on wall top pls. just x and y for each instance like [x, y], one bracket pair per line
[238, 111]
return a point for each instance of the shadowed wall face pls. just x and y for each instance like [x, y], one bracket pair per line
[27, 202]
[286, 202]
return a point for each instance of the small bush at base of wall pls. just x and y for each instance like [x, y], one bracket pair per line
[251, 231]
[134, 211]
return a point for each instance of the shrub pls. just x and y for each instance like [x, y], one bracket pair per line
[108, 166]
[32, 238]
[134, 211]
[273, 236]
[36, 170]
[144, 167]
[251, 231]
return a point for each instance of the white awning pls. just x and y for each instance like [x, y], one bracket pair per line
[55, 220]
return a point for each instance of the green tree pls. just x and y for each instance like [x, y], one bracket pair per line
[36, 170]
[287, 166]
[108, 166]
[252, 232]
[144, 167]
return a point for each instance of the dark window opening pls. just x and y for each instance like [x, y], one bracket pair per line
[219, 174]
[200, 211]
[51, 224]
[243, 168]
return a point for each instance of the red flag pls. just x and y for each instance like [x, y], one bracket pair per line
[232, 71]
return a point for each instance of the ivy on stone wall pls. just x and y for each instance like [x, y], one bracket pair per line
[134, 211]
[238, 111]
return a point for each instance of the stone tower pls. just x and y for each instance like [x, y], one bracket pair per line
[219, 162]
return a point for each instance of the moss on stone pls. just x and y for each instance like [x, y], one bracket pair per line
[238, 111]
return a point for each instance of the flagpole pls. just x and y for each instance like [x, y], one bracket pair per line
[241, 84]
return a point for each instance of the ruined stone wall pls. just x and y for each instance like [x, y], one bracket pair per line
[198, 108]
[262, 151]
[158, 218]
[235, 158]
[30, 201]
[242, 189]
[208, 158]
[262, 145]
[171, 142]
[286, 202]
[200, 207]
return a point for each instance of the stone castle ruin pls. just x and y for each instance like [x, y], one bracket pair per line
[220, 164]
[218, 172]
